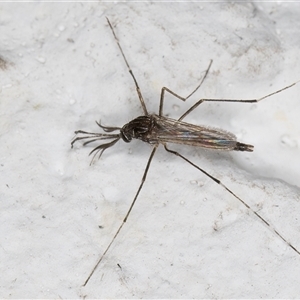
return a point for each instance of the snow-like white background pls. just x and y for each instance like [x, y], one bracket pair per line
[186, 237]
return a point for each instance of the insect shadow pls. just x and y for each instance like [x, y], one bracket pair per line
[157, 129]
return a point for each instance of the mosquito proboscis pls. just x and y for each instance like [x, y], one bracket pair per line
[157, 129]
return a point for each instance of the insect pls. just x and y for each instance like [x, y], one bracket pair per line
[157, 129]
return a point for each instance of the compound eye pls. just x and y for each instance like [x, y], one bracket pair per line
[125, 138]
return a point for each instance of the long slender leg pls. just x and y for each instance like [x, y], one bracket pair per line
[127, 215]
[231, 100]
[162, 94]
[232, 193]
[129, 69]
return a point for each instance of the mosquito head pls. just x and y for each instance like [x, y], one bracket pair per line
[126, 134]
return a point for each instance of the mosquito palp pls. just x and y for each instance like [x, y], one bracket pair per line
[156, 129]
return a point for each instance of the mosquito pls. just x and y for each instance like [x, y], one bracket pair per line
[157, 129]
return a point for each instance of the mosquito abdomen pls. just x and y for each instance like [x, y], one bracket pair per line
[243, 147]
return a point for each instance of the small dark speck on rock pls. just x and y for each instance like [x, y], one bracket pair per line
[3, 63]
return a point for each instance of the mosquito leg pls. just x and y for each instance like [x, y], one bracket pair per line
[129, 69]
[127, 215]
[231, 100]
[238, 198]
[165, 89]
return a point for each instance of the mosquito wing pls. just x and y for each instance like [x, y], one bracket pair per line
[168, 130]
